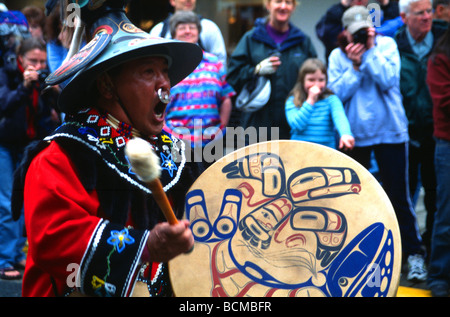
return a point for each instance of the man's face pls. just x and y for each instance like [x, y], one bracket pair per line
[137, 86]
[183, 5]
[419, 18]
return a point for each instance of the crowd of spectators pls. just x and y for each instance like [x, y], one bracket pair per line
[381, 95]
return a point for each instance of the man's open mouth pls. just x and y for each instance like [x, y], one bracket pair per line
[160, 108]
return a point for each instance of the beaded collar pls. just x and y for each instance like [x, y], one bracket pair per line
[107, 137]
[121, 127]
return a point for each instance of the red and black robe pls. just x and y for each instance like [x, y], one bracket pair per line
[88, 215]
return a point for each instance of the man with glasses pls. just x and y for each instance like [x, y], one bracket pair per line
[415, 41]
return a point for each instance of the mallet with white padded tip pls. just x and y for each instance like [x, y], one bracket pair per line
[145, 163]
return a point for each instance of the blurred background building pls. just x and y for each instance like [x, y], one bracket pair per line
[234, 17]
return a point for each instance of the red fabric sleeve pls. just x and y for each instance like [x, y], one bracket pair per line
[60, 218]
[438, 80]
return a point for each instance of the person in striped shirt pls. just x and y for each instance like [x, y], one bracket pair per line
[200, 105]
[314, 112]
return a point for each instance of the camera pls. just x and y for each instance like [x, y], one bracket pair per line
[361, 36]
[42, 75]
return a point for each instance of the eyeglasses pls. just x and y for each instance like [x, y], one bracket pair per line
[422, 13]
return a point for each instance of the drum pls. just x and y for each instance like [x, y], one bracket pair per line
[288, 218]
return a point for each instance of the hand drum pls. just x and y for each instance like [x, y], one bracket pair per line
[289, 218]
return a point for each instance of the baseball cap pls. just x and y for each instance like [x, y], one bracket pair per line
[356, 18]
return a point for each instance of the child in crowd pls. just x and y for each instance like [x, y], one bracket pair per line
[314, 112]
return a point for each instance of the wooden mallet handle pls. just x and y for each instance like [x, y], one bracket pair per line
[145, 163]
[163, 202]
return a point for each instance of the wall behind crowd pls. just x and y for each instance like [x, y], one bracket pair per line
[306, 17]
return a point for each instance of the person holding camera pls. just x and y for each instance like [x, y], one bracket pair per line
[26, 114]
[330, 24]
[364, 72]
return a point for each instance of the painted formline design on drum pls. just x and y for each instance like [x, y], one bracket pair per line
[272, 237]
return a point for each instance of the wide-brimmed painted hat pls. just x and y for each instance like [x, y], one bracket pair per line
[116, 40]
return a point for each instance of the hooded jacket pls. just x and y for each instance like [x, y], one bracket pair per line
[371, 96]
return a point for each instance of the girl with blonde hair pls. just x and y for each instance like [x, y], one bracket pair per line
[313, 112]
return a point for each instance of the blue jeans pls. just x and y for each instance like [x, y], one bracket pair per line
[11, 232]
[439, 266]
[392, 160]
